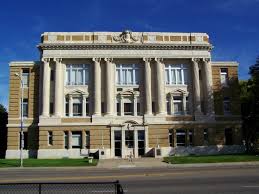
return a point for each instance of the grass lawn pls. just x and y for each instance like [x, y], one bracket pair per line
[210, 159]
[46, 162]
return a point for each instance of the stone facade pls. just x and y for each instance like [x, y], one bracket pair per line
[119, 94]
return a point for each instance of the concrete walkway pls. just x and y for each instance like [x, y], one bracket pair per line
[135, 163]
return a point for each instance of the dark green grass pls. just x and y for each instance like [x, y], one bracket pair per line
[47, 162]
[210, 159]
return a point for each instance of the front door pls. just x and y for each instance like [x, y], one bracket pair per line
[117, 143]
[129, 143]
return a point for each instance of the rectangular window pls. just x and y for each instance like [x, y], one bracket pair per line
[168, 106]
[226, 106]
[190, 137]
[76, 139]
[25, 107]
[87, 141]
[128, 108]
[66, 139]
[178, 105]
[77, 107]
[180, 137]
[176, 74]
[127, 74]
[170, 137]
[67, 107]
[205, 137]
[118, 106]
[25, 77]
[50, 138]
[77, 74]
[87, 107]
[138, 108]
[228, 136]
[224, 76]
[102, 108]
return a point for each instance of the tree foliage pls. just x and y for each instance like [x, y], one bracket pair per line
[249, 95]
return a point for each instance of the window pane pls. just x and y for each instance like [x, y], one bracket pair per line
[185, 74]
[124, 76]
[80, 77]
[130, 76]
[25, 79]
[179, 76]
[67, 77]
[173, 76]
[86, 76]
[167, 81]
[73, 77]
[136, 76]
[117, 76]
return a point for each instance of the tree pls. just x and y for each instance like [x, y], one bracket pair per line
[3, 130]
[249, 95]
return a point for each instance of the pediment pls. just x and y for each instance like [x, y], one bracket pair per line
[77, 92]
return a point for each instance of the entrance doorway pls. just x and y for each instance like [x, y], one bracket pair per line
[141, 143]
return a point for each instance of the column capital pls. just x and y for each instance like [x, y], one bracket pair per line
[97, 59]
[57, 60]
[206, 60]
[196, 60]
[108, 60]
[159, 60]
[45, 60]
[146, 59]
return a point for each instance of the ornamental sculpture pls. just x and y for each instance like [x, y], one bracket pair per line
[125, 37]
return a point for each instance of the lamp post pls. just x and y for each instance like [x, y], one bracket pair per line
[21, 130]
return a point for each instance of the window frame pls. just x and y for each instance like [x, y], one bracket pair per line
[171, 72]
[77, 68]
[135, 74]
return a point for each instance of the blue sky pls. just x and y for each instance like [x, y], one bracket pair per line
[232, 25]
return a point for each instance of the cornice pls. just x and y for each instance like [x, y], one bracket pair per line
[83, 46]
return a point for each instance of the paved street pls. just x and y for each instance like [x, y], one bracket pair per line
[238, 179]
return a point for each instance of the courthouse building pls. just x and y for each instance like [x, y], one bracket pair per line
[124, 93]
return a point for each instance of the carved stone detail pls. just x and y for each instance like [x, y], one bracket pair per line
[125, 37]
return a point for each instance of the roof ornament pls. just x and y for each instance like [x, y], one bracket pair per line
[125, 37]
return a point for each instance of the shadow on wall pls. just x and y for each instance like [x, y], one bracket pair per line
[3, 131]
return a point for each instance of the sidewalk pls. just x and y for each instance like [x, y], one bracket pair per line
[136, 163]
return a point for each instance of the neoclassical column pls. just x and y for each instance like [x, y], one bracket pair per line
[97, 86]
[110, 84]
[196, 87]
[208, 84]
[148, 94]
[70, 105]
[135, 105]
[46, 87]
[84, 105]
[58, 88]
[160, 80]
